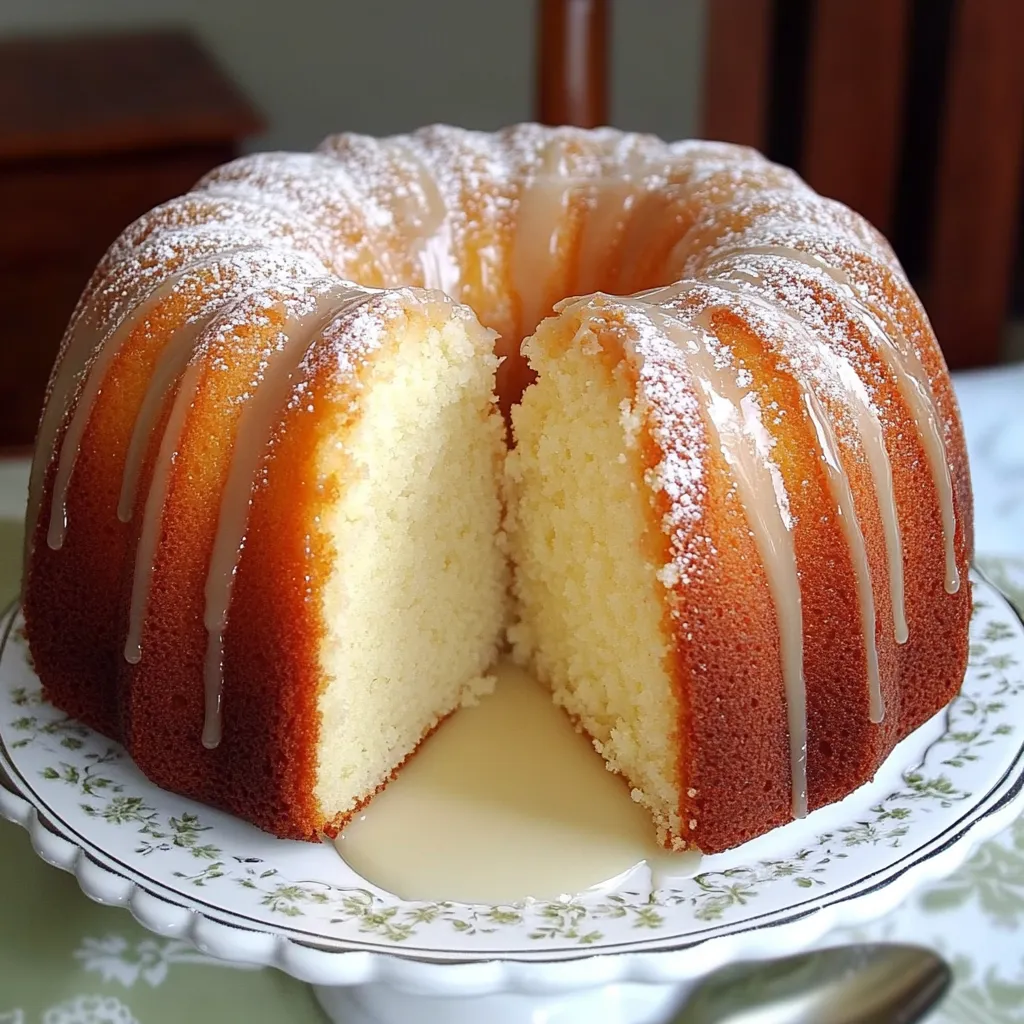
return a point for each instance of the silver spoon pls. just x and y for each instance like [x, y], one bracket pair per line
[858, 984]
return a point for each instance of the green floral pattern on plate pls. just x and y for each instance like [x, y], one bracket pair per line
[975, 917]
[166, 840]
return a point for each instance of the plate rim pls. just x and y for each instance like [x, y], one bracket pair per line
[233, 936]
[886, 875]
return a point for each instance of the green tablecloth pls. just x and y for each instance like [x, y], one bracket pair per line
[65, 960]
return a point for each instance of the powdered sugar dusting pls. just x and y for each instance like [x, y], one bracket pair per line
[444, 207]
[677, 427]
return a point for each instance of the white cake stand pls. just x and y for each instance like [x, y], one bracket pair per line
[618, 954]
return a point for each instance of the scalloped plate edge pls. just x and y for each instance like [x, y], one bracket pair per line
[528, 975]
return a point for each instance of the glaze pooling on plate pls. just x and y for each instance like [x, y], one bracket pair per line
[507, 802]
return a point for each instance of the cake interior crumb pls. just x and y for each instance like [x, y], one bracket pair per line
[588, 617]
[416, 603]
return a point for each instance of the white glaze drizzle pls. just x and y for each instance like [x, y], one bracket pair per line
[839, 484]
[75, 360]
[610, 208]
[543, 200]
[872, 439]
[81, 342]
[254, 425]
[166, 374]
[427, 223]
[152, 516]
[733, 414]
[912, 381]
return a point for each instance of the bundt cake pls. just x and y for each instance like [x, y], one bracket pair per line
[271, 508]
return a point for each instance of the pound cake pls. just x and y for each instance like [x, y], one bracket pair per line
[272, 509]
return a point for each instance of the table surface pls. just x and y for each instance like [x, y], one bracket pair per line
[65, 960]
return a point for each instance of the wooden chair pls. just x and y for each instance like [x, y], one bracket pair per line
[910, 112]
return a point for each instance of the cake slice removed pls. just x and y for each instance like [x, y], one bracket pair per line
[416, 599]
[586, 550]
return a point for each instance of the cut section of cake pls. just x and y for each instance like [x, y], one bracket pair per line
[720, 571]
[307, 525]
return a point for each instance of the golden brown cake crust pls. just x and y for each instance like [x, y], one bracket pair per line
[264, 769]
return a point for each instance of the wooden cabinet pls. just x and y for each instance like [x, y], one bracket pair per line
[94, 131]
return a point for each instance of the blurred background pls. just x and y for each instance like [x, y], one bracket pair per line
[911, 111]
